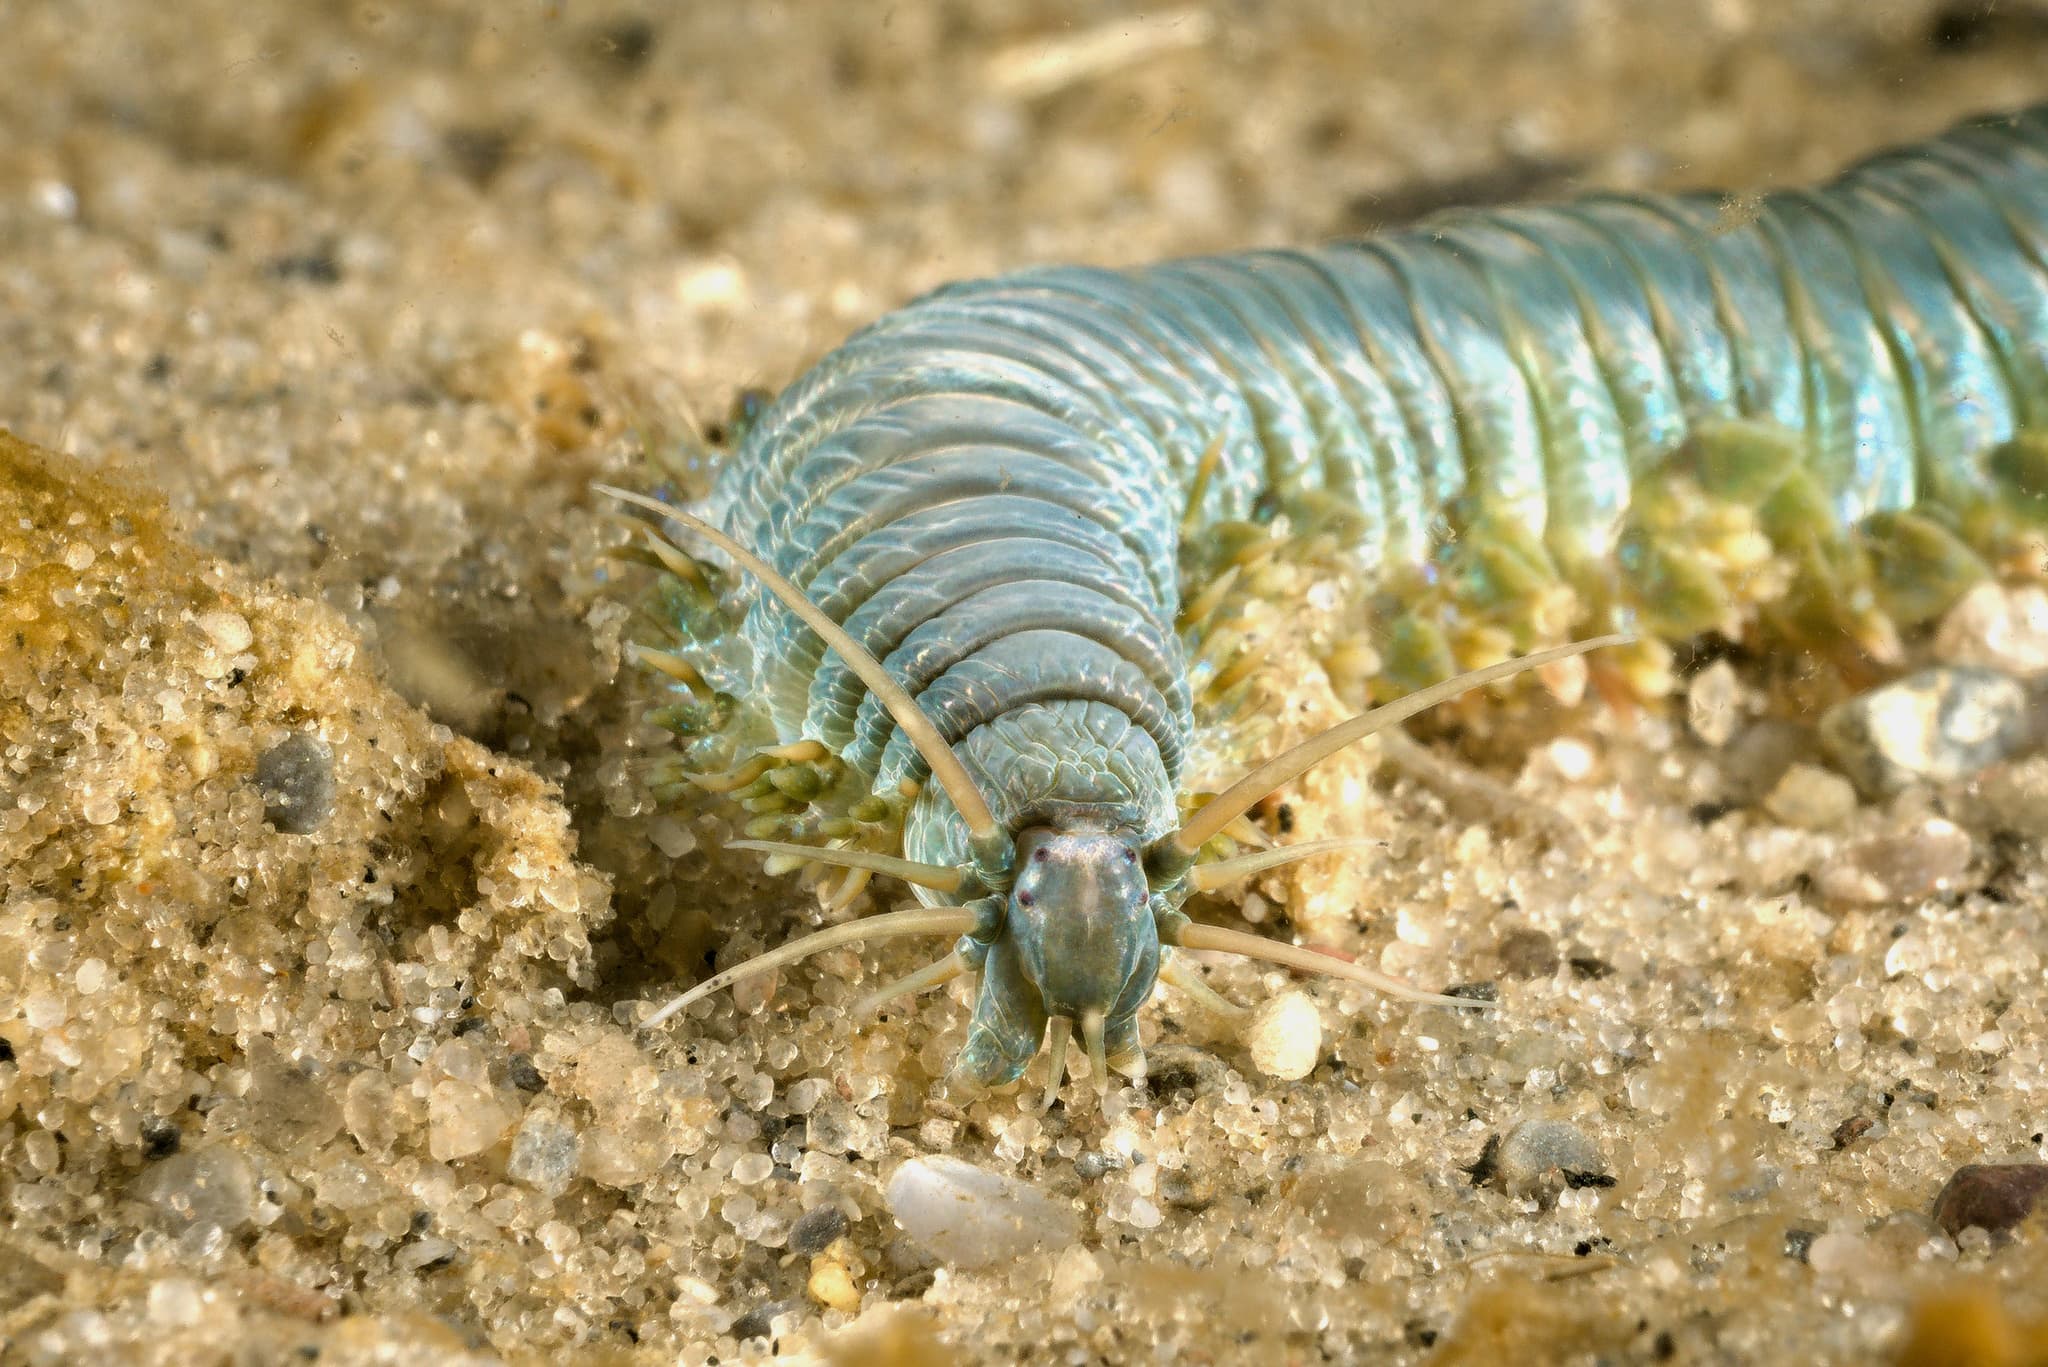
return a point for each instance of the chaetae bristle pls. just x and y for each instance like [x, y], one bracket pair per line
[1241, 796]
[917, 728]
[939, 877]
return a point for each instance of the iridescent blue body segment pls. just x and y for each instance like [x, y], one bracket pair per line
[987, 487]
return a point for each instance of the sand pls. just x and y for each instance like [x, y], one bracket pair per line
[331, 877]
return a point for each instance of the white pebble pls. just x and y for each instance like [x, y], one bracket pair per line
[1713, 704]
[1286, 1036]
[970, 1217]
[1077, 1273]
[1812, 797]
[176, 1301]
[1538, 1152]
[229, 631]
[672, 837]
[545, 1152]
[464, 1119]
[1840, 1255]
[44, 1010]
[717, 284]
[1572, 759]
[1999, 628]
[423, 1253]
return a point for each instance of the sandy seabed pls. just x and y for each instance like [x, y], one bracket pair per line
[330, 881]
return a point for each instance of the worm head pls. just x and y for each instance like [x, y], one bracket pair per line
[1079, 946]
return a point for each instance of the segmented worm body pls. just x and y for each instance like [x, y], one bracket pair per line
[1821, 415]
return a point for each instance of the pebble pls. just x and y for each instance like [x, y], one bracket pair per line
[229, 631]
[1841, 1255]
[759, 1323]
[1994, 1197]
[520, 1072]
[1547, 1155]
[1935, 726]
[1077, 1273]
[831, 1284]
[815, 1230]
[160, 1137]
[203, 1187]
[2014, 798]
[1713, 704]
[1187, 1190]
[292, 1107]
[176, 1301]
[969, 1217]
[1759, 757]
[1999, 628]
[424, 1254]
[1285, 1036]
[464, 1119]
[1527, 953]
[296, 778]
[1926, 858]
[1811, 797]
[752, 1169]
[545, 1153]
[1092, 1166]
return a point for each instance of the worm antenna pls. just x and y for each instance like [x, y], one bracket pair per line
[1285, 768]
[916, 921]
[1179, 974]
[1056, 1065]
[1224, 872]
[941, 877]
[945, 765]
[1309, 961]
[935, 974]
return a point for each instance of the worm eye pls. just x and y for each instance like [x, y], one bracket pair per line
[1130, 855]
[1025, 899]
[1040, 855]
